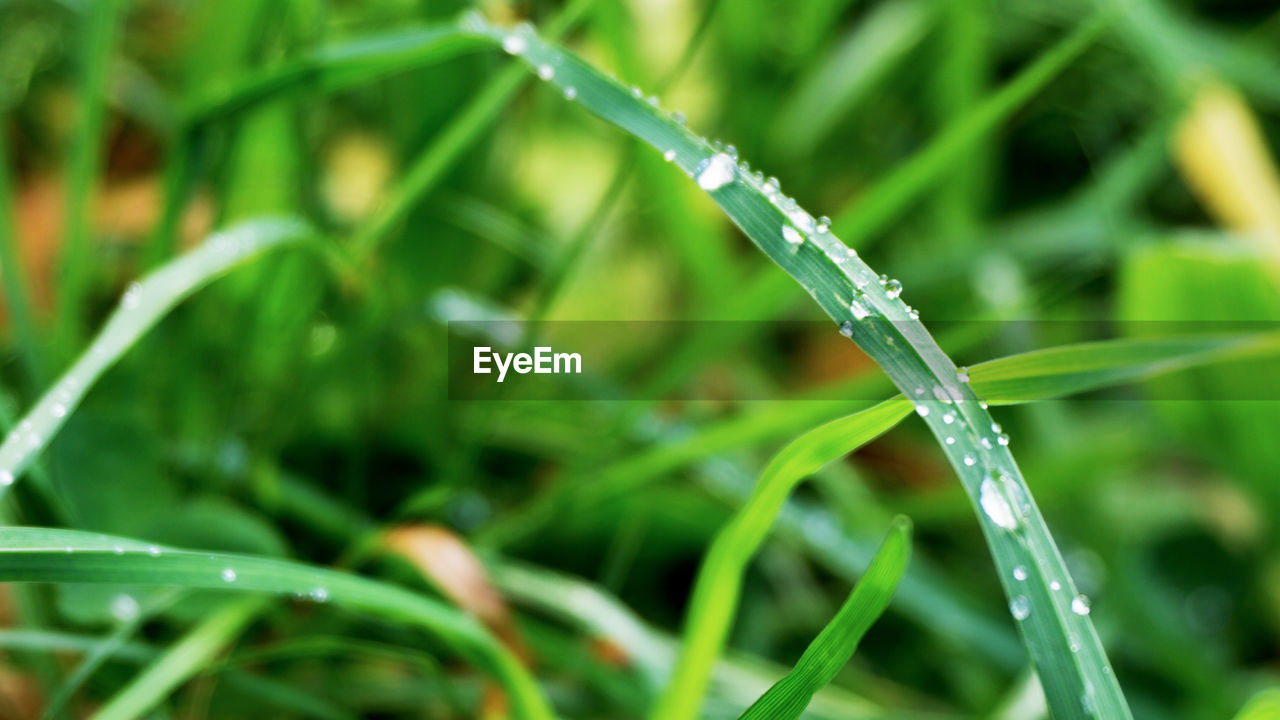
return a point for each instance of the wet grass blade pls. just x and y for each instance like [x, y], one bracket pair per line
[839, 639]
[868, 309]
[50, 555]
[143, 304]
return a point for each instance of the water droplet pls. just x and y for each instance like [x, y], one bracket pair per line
[963, 374]
[951, 440]
[118, 550]
[319, 595]
[678, 117]
[995, 427]
[669, 156]
[1003, 439]
[153, 551]
[514, 44]
[132, 296]
[824, 224]
[793, 237]
[124, 608]
[772, 186]
[652, 100]
[570, 93]
[1020, 607]
[636, 92]
[970, 460]
[228, 575]
[1020, 573]
[6, 477]
[860, 311]
[986, 443]
[983, 404]
[893, 289]
[941, 395]
[546, 72]
[919, 391]
[913, 313]
[948, 417]
[716, 171]
[1055, 586]
[846, 329]
[995, 505]
[1080, 605]
[58, 410]
[731, 151]
[922, 410]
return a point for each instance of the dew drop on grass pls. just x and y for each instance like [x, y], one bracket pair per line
[6, 477]
[951, 440]
[986, 443]
[1020, 607]
[678, 117]
[922, 410]
[58, 410]
[846, 329]
[228, 575]
[570, 93]
[893, 289]
[118, 550]
[319, 595]
[153, 551]
[995, 505]
[731, 151]
[793, 237]
[948, 417]
[963, 374]
[1020, 573]
[546, 72]
[1003, 439]
[1055, 586]
[995, 427]
[1080, 605]
[859, 310]
[669, 156]
[970, 460]
[772, 186]
[514, 44]
[124, 608]
[132, 296]
[941, 395]
[636, 92]
[824, 224]
[716, 171]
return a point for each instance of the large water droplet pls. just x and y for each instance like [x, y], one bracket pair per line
[1020, 607]
[893, 289]
[1020, 573]
[514, 44]
[793, 237]
[922, 410]
[995, 505]
[716, 172]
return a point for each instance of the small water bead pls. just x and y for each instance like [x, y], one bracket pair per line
[919, 391]
[995, 506]
[6, 477]
[1020, 573]
[25, 426]
[731, 151]
[986, 442]
[970, 460]
[793, 237]
[922, 410]
[653, 101]
[118, 550]
[570, 92]
[717, 146]
[948, 417]
[1080, 605]
[319, 595]
[637, 93]
[124, 608]
[893, 289]
[995, 428]
[546, 72]
[962, 373]
[1003, 439]
[824, 224]
[758, 176]
[669, 156]
[951, 440]
[228, 575]
[772, 186]
[983, 404]
[859, 310]
[153, 551]
[58, 410]
[716, 171]
[1055, 586]
[678, 117]
[846, 329]
[514, 44]
[913, 313]
[1020, 607]
[132, 296]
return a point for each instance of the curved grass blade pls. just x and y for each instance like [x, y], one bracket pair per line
[52, 555]
[182, 660]
[142, 305]
[1264, 705]
[1061, 640]
[839, 639]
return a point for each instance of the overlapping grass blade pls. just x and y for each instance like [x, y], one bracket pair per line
[1060, 638]
[142, 305]
[51, 555]
[839, 639]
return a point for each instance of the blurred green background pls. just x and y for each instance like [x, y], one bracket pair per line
[299, 408]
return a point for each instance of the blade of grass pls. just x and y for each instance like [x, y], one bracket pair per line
[142, 306]
[871, 211]
[86, 158]
[51, 555]
[1060, 638]
[837, 642]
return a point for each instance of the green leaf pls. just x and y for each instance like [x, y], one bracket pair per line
[839, 639]
[50, 555]
[1264, 706]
